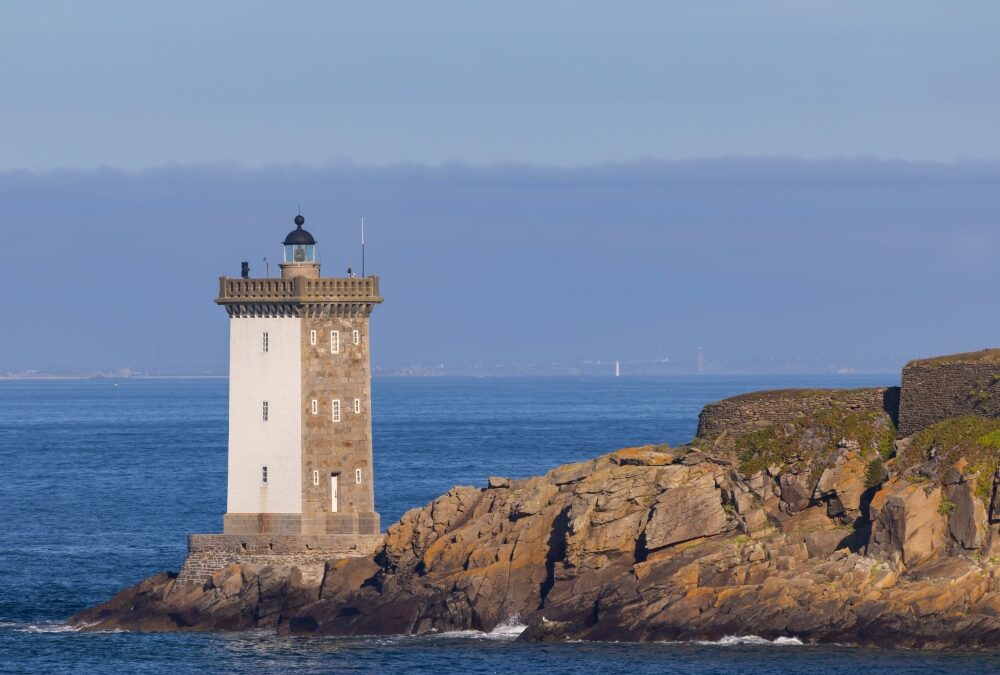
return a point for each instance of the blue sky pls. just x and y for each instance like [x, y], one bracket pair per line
[557, 180]
[139, 84]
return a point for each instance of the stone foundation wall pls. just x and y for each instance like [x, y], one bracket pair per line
[246, 524]
[936, 389]
[756, 410]
[209, 553]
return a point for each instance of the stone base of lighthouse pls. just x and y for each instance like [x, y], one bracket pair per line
[301, 523]
[209, 553]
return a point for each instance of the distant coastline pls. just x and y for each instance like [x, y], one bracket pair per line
[666, 367]
[41, 377]
[54, 377]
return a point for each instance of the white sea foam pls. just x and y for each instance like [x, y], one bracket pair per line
[508, 629]
[731, 640]
[23, 627]
[49, 628]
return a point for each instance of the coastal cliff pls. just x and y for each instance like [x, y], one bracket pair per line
[827, 528]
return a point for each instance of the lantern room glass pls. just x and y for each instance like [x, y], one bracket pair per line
[298, 253]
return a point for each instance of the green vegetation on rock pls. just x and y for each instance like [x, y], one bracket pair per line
[812, 440]
[761, 449]
[991, 356]
[874, 473]
[940, 447]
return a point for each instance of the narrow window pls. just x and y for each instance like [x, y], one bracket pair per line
[264, 411]
[336, 410]
[357, 337]
[357, 475]
[357, 406]
[263, 475]
[265, 342]
[315, 407]
[335, 342]
[315, 477]
[312, 338]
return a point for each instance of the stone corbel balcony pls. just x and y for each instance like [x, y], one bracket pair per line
[298, 296]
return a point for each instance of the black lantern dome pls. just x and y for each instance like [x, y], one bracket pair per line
[300, 246]
[298, 236]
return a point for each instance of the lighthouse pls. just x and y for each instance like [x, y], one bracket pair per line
[300, 485]
[300, 426]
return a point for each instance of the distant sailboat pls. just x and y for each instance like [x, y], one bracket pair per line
[618, 369]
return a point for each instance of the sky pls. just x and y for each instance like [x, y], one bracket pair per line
[138, 84]
[557, 180]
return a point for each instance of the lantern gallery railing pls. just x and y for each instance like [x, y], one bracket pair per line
[299, 289]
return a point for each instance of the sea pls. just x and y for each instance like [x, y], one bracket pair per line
[102, 480]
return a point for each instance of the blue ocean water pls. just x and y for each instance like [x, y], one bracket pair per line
[102, 483]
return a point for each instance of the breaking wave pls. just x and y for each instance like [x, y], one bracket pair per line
[731, 640]
[39, 627]
[508, 629]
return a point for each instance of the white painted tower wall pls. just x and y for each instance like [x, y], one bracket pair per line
[256, 376]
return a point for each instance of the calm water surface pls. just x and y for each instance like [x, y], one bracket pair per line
[102, 484]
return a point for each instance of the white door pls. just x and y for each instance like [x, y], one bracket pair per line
[333, 491]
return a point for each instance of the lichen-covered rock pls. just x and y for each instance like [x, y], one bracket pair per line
[844, 481]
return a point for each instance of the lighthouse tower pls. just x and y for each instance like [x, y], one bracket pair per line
[300, 429]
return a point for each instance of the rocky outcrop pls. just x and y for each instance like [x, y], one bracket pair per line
[818, 524]
[646, 543]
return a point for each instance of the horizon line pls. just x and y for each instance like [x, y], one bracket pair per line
[337, 162]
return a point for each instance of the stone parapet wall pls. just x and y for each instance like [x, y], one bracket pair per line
[936, 389]
[756, 410]
[209, 553]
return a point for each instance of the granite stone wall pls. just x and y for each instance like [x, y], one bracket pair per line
[756, 410]
[209, 553]
[342, 446]
[936, 389]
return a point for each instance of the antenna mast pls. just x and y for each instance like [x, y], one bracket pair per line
[362, 247]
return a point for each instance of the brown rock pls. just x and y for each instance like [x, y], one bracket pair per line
[844, 480]
[989, 605]
[968, 522]
[684, 513]
[906, 522]
[647, 455]
[625, 548]
[822, 543]
[756, 522]
[995, 498]
[795, 491]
